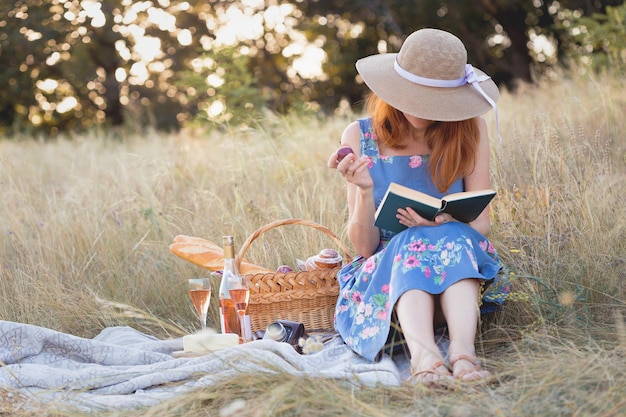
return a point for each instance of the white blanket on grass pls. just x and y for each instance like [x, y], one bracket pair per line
[122, 368]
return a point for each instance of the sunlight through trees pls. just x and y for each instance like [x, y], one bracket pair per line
[76, 64]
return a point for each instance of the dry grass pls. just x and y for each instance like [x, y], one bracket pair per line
[86, 223]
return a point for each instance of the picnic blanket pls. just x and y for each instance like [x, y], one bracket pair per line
[122, 368]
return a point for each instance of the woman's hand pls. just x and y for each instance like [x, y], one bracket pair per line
[409, 217]
[354, 170]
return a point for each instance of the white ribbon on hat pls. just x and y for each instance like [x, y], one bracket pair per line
[470, 77]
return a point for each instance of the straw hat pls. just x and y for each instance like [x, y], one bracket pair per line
[430, 78]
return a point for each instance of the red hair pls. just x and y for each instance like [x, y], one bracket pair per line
[453, 145]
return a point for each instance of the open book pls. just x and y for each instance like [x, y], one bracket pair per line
[464, 206]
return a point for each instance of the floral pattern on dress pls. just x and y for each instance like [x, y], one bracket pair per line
[430, 258]
[369, 147]
[416, 161]
[369, 316]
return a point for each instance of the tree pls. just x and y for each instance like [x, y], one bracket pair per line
[596, 40]
[498, 34]
[24, 52]
[73, 64]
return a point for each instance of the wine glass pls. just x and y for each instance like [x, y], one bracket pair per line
[200, 293]
[240, 294]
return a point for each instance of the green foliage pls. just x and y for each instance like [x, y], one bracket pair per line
[600, 40]
[223, 90]
[92, 62]
[23, 25]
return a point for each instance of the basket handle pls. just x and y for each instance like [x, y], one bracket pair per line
[277, 223]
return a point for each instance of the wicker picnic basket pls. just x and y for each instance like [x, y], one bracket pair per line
[308, 297]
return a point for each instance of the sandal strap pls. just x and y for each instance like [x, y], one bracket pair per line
[432, 370]
[474, 361]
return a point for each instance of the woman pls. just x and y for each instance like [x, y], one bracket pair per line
[425, 132]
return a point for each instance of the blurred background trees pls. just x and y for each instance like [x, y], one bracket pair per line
[77, 64]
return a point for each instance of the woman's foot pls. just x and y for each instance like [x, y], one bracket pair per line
[437, 372]
[467, 368]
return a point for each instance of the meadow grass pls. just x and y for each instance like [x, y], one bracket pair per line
[86, 222]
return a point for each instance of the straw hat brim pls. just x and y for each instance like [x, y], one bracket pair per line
[431, 103]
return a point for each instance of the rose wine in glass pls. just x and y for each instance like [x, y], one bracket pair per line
[200, 294]
[240, 294]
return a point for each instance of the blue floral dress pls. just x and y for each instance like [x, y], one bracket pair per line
[428, 258]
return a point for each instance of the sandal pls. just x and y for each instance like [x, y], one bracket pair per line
[476, 369]
[431, 375]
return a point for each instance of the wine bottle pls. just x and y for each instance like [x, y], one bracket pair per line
[228, 316]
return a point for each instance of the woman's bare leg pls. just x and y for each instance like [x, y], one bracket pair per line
[459, 304]
[415, 310]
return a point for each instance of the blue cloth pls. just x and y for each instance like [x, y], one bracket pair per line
[428, 258]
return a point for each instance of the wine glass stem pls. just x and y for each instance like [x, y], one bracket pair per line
[203, 321]
[242, 326]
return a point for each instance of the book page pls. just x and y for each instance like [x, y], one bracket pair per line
[467, 194]
[412, 194]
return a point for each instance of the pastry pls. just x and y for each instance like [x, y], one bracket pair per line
[327, 258]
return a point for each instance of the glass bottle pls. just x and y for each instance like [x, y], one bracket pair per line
[228, 316]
